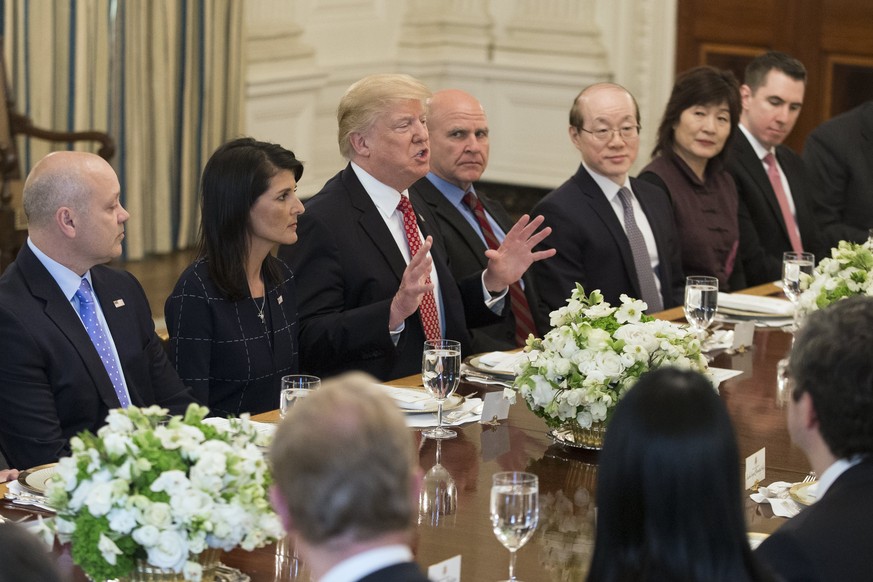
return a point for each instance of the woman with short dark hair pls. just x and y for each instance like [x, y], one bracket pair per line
[232, 316]
[669, 503]
[694, 137]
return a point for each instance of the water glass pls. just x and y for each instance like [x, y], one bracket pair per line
[515, 511]
[794, 267]
[294, 387]
[440, 374]
[701, 302]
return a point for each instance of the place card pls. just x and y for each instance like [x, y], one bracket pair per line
[744, 335]
[755, 465]
[494, 408]
[446, 571]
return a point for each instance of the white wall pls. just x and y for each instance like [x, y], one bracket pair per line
[524, 59]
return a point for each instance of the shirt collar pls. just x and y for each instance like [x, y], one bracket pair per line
[760, 150]
[449, 190]
[384, 197]
[365, 563]
[831, 474]
[610, 189]
[66, 279]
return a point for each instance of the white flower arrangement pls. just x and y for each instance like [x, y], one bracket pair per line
[161, 490]
[847, 272]
[594, 354]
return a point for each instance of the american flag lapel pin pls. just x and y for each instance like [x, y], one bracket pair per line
[279, 300]
[118, 303]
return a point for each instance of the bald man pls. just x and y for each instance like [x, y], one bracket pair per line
[76, 337]
[458, 129]
[612, 232]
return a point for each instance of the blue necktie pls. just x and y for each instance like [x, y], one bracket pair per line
[88, 312]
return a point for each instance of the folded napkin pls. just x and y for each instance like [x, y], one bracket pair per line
[776, 494]
[408, 398]
[720, 339]
[755, 304]
[18, 495]
[501, 362]
[719, 375]
[469, 411]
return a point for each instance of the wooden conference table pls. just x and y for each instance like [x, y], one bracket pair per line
[564, 540]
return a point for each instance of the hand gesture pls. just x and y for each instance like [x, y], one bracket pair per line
[509, 262]
[413, 285]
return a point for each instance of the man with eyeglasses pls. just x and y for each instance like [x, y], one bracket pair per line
[611, 232]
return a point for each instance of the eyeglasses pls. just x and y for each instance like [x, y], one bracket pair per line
[625, 132]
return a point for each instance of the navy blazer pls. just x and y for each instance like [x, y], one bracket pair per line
[466, 256]
[52, 382]
[839, 160]
[763, 234]
[593, 248]
[348, 269]
[223, 351]
[829, 540]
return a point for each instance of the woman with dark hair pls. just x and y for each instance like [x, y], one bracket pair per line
[699, 124]
[669, 503]
[232, 316]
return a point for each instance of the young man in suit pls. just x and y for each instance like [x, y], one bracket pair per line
[611, 232]
[76, 337]
[830, 418]
[458, 130]
[775, 212]
[839, 159]
[347, 480]
[372, 278]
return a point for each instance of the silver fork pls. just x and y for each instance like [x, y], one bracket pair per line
[810, 477]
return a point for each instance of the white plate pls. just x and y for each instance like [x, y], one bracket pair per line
[475, 362]
[36, 479]
[430, 406]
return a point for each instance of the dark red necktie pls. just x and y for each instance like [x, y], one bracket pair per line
[430, 319]
[524, 324]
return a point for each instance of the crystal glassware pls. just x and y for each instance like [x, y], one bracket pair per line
[294, 387]
[701, 302]
[794, 265]
[441, 373]
[515, 511]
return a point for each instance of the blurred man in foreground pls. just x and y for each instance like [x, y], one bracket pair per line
[346, 483]
[830, 418]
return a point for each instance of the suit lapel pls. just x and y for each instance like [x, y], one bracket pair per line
[450, 216]
[603, 209]
[755, 169]
[372, 222]
[59, 309]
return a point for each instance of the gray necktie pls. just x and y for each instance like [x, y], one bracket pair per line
[642, 264]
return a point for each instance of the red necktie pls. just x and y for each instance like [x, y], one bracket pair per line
[524, 324]
[430, 319]
[782, 198]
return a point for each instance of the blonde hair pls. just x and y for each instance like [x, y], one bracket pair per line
[371, 97]
[344, 460]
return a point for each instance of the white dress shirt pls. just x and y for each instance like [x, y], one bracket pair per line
[365, 563]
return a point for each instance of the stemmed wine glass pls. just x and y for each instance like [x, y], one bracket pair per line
[440, 373]
[793, 264]
[701, 302]
[515, 511]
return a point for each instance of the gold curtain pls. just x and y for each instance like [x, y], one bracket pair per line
[163, 77]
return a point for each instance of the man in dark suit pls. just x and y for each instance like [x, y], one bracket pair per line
[775, 204]
[839, 160]
[351, 510]
[830, 373]
[612, 233]
[56, 377]
[372, 277]
[458, 130]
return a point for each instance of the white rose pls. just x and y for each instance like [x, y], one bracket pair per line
[543, 392]
[67, 470]
[575, 397]
[609, 363]
[192, 571]
[170, 551]
[118, 422]
[146, 536]
[157, 514]
[598, 411]
[584, 419]
[171, 481]
[118, 444]
[191, 504]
